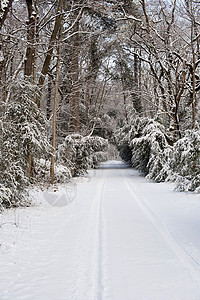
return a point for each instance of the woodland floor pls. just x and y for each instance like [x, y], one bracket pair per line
[122, 237]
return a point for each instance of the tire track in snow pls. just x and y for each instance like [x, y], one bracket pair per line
[88, 280]
[188, 261]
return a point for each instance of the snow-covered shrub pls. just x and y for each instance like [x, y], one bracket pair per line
[150, 151]
[98, 148]
[22, 135]
[80, 153]
[62, 173]
[74, 154]
[143, 142]
[185, 161]
[98, 158]
[5, 196]
[122, 141]
[128, 132]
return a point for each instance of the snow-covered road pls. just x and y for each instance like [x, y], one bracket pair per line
[122, 238]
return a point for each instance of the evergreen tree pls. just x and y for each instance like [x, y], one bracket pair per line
[185, 162]
[22, 134]
[80, 153]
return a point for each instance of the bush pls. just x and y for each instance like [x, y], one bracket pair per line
[22, 134]
[122, 141]
[5, 196]
[150, 151]
[62, 174]
[185, 162]
[80, 153]
[144, 144]
[98, 148]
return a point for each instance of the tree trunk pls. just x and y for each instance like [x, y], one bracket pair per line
[4, 11]
[75, 76]
[193, 77]
[48, 111]
[55, 31]
[55, 113]
[29, 61]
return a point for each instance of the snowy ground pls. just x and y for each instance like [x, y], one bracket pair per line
[122, 238]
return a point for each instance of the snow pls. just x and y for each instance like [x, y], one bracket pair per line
[4, 4]
[1, 56]
[122, 237]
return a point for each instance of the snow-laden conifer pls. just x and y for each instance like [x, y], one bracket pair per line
[22, 135]
[80, 153]
[98, 150]
[143, 143]
[122, 141]
[150, 151]
[185, 161]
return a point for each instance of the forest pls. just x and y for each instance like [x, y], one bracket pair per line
[82, 80]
